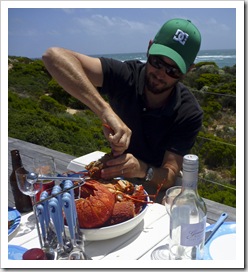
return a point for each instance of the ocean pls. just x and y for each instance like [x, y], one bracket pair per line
[225, 57]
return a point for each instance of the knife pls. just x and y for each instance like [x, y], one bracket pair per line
[209, 234]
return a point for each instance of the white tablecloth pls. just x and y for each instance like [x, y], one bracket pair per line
[134, 245]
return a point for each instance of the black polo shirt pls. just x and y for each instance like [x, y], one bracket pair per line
[173, 127]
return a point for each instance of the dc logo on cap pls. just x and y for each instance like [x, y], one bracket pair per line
[180, 36]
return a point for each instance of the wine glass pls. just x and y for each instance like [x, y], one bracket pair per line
[26, 185]
[163, 252]
[44, 166]
[29, 187]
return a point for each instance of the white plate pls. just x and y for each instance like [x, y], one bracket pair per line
[13, 214]
[79, 163]
[222, 246]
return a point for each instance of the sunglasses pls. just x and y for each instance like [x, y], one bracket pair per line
[158, 63]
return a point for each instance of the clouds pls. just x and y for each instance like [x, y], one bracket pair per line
[110, 30]
[102, 33]
[100, 24]
[217, 26]
[217, 34]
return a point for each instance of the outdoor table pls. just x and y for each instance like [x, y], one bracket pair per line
[120, 252]
[149, 232]
[130, 250]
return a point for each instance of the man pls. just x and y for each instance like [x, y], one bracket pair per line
[151, 119]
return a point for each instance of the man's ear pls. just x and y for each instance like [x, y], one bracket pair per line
[150, 44]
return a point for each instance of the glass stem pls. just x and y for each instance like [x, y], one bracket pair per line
[36, 220]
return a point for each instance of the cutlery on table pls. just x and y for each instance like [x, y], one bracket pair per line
[48, 250]
[50, 234]
[79, 236]
[77, 252]
[209, 234]
[56, 191]
[53, 205]
[78, 233]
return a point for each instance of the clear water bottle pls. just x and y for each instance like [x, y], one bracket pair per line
[188, 216]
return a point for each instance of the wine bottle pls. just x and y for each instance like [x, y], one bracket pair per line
[188, 216]
[22, 202]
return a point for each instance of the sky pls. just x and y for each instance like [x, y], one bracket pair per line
[28, 29]
[111, 30]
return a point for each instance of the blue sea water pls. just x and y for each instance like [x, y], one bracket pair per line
[222, 58]
[225, 57]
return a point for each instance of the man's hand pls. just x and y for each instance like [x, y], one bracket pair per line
[124, 165]
[128, 166]
[117, 133]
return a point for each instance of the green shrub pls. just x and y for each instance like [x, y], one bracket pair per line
[212, 107]
[49, 104]
[230, 70]
[216, 154]
[73, 134]
[216, 192]
[202, 63]
[207, 80]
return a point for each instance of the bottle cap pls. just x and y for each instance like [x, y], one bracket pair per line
[190, 162]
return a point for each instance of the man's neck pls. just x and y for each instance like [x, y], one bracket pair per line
[154, 101]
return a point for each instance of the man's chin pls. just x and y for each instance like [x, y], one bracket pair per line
[154, 89]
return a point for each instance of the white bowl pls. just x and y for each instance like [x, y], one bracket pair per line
[104, 233]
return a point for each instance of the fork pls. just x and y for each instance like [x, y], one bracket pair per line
[55, 191]
[46, 247]
[55, 215]
[51, 237]
[78, 234]
[77, 252]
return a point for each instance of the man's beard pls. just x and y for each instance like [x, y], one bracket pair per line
[153, 86]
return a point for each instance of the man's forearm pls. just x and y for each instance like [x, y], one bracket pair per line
[67, 70]
[80, 75]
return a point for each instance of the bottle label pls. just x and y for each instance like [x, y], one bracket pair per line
[193, 234]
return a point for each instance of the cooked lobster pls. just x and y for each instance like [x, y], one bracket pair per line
[95, 206]
[101, 204]
[107, 202]
[94, 168]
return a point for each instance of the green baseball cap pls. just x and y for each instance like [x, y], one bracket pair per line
[179, 40]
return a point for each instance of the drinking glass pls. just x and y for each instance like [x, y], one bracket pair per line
[163, 252]
[44, 166]
[170, 195]
[29, 187]
[26, 185]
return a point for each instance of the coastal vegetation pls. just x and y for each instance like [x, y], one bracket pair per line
[41, 112]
